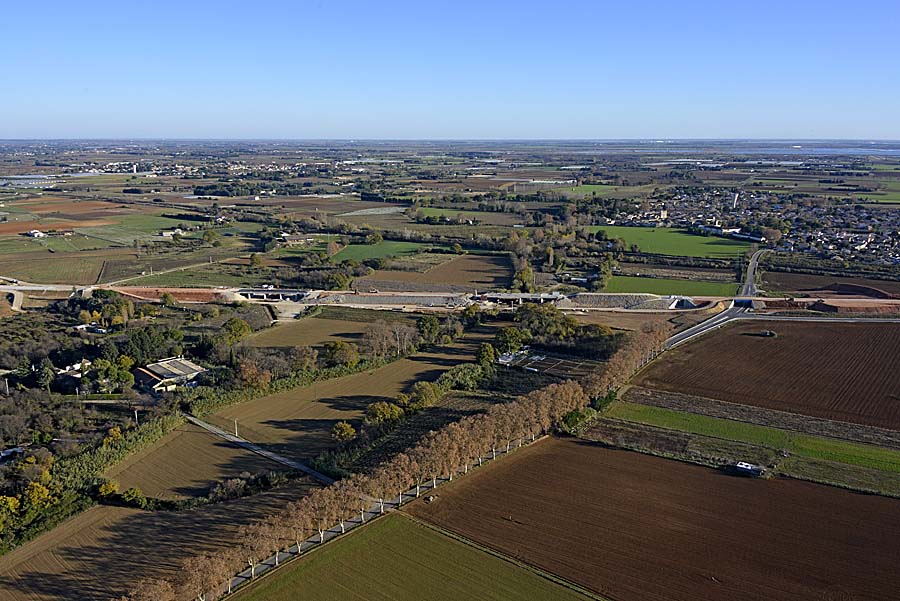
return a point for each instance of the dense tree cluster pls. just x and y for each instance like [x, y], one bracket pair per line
[545, 326]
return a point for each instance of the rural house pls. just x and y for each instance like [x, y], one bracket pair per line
[166, 375]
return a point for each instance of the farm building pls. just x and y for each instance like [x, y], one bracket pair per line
[298, 240]
[166, 375]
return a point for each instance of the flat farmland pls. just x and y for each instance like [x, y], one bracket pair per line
[468, 272]
[385, 248]
[491, 218]
[633, 527]
[311, 331]
[800, 282]
[99, 553]
[671, 241]
[297, 423]
[20, 227]
[332, 324]
[845, 372]
[665, 286]
[398, 559]
[186, 463]
[68, 268]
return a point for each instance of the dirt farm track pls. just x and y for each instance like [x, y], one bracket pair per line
[638, 528]
[845, 372]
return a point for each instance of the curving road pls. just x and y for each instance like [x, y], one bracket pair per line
[749, 288]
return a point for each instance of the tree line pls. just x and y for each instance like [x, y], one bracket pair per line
[442, 454]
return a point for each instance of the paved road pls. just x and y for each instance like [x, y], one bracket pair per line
[714, 322]
[255, 448]
[734, 313]
[749, 287]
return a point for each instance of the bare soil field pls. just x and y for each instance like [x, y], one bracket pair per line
[51, 205]
[638, 528]
[801, 283]
[465, 273]
[186, 463]
[297, 423]
[844, 372]
[99, 553]
[20, 227]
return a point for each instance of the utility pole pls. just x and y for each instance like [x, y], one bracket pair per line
[6, 383]
[235, 427]
[136, 423]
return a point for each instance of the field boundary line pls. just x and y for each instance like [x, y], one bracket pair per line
[507, 558]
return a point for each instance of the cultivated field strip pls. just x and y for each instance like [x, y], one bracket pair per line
[764, 417]
[638, 528]
[844, 372]
[464, 274]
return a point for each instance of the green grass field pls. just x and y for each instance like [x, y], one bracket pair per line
[397, 559]
[671, 241]
[83, 270]
[592, 189]
[386, 248]
[633, 284]
[18, 244]
[815, 447]
[888, 192]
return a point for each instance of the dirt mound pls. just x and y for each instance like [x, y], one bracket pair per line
[857, 289]
[839, 306]
[637, 528]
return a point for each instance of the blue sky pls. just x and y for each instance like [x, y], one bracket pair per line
[450, 69]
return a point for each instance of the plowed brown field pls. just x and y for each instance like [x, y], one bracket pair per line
[467, 272]
[846, 372]
[638, 528]
[801, 282]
